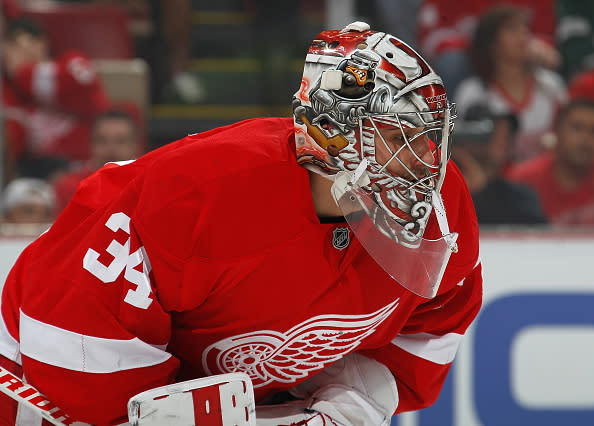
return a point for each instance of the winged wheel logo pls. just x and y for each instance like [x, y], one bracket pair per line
[268, 355]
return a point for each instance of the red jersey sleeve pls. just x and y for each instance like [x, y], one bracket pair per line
[68, 82]
[94, 333]
[421, 355]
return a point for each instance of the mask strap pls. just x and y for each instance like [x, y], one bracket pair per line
[358, 174]
[344, 181]
[442, 218]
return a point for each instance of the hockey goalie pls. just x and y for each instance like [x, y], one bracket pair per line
[314, 270]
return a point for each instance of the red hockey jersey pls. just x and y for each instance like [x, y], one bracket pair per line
[206, 256]
[49, 107]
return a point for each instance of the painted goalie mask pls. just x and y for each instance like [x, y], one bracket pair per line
[373, 116]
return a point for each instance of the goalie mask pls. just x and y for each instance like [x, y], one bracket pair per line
[373, 116]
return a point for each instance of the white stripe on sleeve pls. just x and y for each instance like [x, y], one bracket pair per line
[437, 349]
[9, 347]
[44, 82]
[73, 351]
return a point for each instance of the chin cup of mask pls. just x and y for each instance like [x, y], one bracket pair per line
[416, 263]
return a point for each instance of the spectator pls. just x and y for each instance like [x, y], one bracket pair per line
[481, 150]
[509, 81]
[575, 35]
[27, 206]
[115, 136]
[446, 27]
[49, 102]
[564, 176]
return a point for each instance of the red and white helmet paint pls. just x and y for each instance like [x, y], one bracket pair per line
[356, 82]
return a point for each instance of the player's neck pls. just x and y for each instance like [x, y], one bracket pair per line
[322, 196]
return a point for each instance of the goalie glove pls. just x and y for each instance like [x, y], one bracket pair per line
[354, 391]
[292, 414]
[318, 419]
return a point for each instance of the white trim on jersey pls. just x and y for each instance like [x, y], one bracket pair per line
[44, 82]
[437, 349]
[73, 351]
[478, 262]
[9, 347]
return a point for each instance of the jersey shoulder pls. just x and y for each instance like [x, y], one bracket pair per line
[225, 188]
[196, 158]
[227, 151]
[455, 192]
[462, 220]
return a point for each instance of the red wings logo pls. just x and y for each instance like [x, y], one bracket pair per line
[268, 355]
[439, 100]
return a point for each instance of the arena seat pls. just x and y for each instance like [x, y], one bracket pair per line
[125, 80]
[98, 30]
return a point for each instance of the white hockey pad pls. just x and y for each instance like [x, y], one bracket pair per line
[224, 399]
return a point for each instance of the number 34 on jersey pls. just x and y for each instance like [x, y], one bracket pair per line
[123, 261]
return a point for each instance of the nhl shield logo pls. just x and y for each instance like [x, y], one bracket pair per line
[340, 238]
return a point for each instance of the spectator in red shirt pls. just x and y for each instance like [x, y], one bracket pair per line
[115, 136]
[49, 102]
[564, 176]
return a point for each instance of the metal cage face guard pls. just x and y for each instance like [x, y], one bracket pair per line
[431, 129]
[407, 196]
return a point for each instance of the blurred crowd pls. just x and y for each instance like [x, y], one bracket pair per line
[522, 77]
[521, 73]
